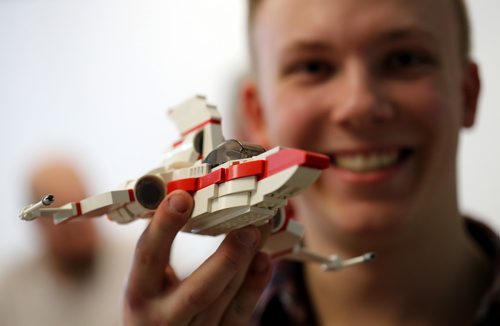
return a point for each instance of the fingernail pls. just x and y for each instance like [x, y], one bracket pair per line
[247, 237]
[178, 203]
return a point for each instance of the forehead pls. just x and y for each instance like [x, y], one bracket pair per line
[279, 22]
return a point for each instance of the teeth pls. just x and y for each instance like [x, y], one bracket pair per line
[366, 162]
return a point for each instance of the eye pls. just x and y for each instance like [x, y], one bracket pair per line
[310, 70]
[408, 63]
[315, 68]
[404, 59]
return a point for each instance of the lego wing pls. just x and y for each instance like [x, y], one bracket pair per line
[137, 198]
[199, 125]
[94, 206]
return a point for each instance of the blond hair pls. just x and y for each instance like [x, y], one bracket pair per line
[461, 14]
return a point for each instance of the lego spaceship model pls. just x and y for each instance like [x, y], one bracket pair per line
[233, 185]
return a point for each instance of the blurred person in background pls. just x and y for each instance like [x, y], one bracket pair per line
[78, 278]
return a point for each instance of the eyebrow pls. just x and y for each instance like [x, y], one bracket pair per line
[405, 33]
[389, 36]
[317, 45]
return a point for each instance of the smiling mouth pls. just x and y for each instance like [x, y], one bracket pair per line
[367, 161]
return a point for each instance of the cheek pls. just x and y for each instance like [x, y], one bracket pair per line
[430, 107]
[433, 112]
[293, 115]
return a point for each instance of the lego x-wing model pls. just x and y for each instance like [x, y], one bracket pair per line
[233, 185]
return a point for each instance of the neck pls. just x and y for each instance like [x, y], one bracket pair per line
[438, 279]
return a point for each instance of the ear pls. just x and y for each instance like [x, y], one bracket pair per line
[254, 114]
[471, 86]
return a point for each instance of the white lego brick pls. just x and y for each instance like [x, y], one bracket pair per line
[129, 184]
[192, 112]
[137, 209]
[129, 212]
[271, 184]
[272, 202]
[301, 180]
[283, 242]
[286, 183]
[184, 152]
[212, 136]
[238, 185]
[226, 220]
[115, 216]
[278, 220]
[227, 164]
[270, 152]
[166, 176]
[189, 117]
[230, 201]
[99, 204]
[62, 213]
[126, 215]
[121, 216]
[49, 212]
[203, 200]
[193, 171]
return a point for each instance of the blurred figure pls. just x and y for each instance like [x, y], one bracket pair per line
[79, 277]
[70, 247]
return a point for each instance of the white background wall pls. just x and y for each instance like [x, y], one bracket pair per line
[93, 79]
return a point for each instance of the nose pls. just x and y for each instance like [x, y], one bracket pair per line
[361, 101]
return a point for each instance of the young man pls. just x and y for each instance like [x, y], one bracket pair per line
[383, 87]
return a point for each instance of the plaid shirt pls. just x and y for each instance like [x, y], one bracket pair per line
[286, 300]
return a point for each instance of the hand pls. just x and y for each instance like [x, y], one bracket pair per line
[222, 291]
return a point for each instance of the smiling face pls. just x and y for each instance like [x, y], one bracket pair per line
[380, 87]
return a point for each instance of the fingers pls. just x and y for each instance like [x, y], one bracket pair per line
[216, 310]
[209, 282]
[148, 275]
[227, 285]
[243, 304]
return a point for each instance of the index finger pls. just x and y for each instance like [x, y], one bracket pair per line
[152, 254]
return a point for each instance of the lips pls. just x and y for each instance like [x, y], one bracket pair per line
[369, 160]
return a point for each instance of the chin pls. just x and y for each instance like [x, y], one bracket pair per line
[369, 221]
[363, 225]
